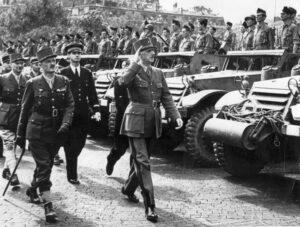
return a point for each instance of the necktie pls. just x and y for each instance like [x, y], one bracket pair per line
[76, 72]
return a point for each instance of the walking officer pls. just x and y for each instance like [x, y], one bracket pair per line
[46, 115]
[86, 101]
[12, 87]
[141, 122]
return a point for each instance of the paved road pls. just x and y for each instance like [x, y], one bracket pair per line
[184, 196]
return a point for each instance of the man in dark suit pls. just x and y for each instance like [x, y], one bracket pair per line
[46, 115]
[86, 101]
[147, 89]
[12, 87]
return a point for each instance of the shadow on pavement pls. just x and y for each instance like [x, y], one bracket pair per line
[271, 191]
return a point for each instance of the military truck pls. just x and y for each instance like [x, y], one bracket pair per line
[196, 95]
[172, 64]
[259, 128]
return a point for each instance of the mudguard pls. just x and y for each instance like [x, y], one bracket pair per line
[195, 98]
[233, 97]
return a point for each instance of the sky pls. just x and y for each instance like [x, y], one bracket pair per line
[235, 10]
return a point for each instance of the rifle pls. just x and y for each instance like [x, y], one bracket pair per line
[159, 36]
[15, 169]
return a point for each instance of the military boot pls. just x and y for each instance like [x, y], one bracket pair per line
[151, 214]
[50, 214]
[33, 196]
[6, 173]
[14, 180]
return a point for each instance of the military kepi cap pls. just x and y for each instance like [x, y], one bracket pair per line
[145, 44]
[259, 10]
[74, 46]
[16, 57]
[44, 54]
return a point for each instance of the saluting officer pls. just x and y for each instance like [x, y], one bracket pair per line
[12, 87]
[46, 115]
[85, 97]
[175, 37]
[263, 36]
[142, 120]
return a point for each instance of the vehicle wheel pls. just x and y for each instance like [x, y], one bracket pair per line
[112, 124]
[199, 147]
[237, 161]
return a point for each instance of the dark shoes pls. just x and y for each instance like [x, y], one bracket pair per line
[74, 181]
[6, 173]
[33, 196]
[110, 167]
[151, 215]
[131, 197]
[50, 214]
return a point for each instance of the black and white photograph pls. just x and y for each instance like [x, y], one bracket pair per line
[149, 113]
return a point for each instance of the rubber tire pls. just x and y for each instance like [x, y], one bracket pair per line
[197, 146]
[238, 162]
[112, 124]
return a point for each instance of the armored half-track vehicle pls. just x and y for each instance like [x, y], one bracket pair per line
[195, 95]
[260, 128]
[172, 64]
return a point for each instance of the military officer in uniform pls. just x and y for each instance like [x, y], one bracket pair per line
[204, 41]
[46, 115]
[141, 122]
[229, 38]
[187, 43]
[289, 37]
[12, 87]
[86, 101]
[263, 36]
[175, 37]
[126, 43]
[35, 67]
[249, 34]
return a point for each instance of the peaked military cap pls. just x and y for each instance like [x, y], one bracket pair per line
[5, 58]
[176, 22]
[229, 23]
[203, 21]
[259, 10]
[74, 46]
[150, 27]
[45, 53]
[16, 57]
[145, 44]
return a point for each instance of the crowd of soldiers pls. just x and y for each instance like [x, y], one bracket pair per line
[52, 111]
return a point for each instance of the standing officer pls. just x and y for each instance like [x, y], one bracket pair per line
[249, 34]
[263, 36]
[46, 115]
[229, 38]
[86, 100]
[289, 38]
[35, 68]
[142, 120]
[187, 43]
[12, 87]
[175, 37]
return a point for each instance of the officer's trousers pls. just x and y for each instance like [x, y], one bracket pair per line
[119, 148]
[140, 173]
[73, 147]
[8, 138]
[43, 154]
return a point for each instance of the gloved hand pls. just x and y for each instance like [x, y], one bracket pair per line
[20, 141]
[64, 128]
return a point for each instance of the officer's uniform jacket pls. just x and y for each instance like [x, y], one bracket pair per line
[142, 116]
[91, 47]
[186, 44]
[11, 93]
[127, 45]
[44, 109]
[84, 94]
[288, 37]
[248, 39]
[228, 40]
[104, 48]
[263, 39]
[174, 42]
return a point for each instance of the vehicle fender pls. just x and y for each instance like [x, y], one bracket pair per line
[196, 98]
[233, 97]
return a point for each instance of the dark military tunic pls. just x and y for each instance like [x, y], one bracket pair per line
[86, 102]
[288, 37]
[263, 38]
[44, 110]
[187, 44]
[248, 39]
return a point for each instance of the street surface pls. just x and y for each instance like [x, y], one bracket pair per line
[184, 196]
